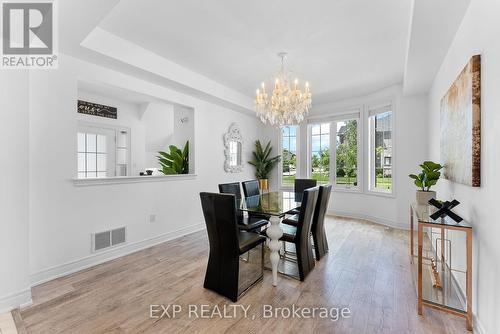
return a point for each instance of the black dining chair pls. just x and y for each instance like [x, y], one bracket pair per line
[300, 235]
[302, 184]
[247, 223]
[318, 222]
[299, 186]
[227, 244]
[251, 188]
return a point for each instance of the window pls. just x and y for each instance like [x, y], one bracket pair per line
[102, 152]
[92, 155]
[289, 154]
[380, 150]
[346, 153]
[320, 152]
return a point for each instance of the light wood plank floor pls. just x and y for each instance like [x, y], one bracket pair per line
[367, 270]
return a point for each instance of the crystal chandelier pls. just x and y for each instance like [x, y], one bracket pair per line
[287, 105]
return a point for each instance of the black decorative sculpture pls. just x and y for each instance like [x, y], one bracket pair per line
[445, 209]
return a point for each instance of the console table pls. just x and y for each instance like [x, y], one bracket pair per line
[445, 296]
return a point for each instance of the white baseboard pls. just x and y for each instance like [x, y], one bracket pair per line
[111, 254]
[376, 220]
[478, 327]
[14, 300]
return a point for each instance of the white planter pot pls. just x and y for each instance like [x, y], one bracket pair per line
[423, 197]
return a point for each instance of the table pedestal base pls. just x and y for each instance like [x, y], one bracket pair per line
[274, 232]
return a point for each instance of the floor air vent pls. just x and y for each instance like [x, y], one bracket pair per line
[106, 239]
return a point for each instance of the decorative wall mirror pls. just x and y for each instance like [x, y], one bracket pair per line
[233, 143]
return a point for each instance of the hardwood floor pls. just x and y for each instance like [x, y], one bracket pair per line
[367, 270]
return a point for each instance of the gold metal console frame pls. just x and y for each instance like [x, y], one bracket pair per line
[427, 296]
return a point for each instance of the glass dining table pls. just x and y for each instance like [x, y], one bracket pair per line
[275, 204]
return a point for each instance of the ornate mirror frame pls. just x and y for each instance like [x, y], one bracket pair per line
[233, 135]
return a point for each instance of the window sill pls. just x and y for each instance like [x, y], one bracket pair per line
[347, 190]
[381, 193]
[131, 179]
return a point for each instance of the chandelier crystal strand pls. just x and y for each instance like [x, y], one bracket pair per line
[288, 104]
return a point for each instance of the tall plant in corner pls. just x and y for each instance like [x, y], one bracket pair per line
[428, 177]
[176, 161]
[263, 163]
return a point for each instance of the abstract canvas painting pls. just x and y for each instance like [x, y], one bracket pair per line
[461, 126]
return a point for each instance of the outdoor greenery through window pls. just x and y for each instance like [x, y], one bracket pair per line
[346, 153]
[320, 152]
[381, 151]
[289, 154]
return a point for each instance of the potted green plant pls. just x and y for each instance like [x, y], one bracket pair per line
[425, 180]
[176, 161]
[263, 163]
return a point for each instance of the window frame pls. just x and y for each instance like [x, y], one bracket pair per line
[333, 158]
[310, 124]
[371, 111]
[350, 113]
[280, 164]
[91, 174]
[112, 156]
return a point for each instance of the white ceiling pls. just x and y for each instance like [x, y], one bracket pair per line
[341, 47]
[434, 25]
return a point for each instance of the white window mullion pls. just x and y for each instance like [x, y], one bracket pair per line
[333, 153]
[381, 130]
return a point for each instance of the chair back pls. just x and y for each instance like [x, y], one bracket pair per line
[304, 249]
[321, 206]
[307, 210]
[303, 184]
[251, 188]
[233, 189]
[230, 188]
[318, 222]
[219, 211]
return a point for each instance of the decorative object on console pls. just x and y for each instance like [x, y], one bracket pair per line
[95, 109]
[436, 279]
[175, 162]
[233, 147]
[286, 105]
[425, 180]
[263, 163]
[444, 209]
[461, 126]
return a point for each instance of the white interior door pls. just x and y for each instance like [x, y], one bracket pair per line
[96, 152]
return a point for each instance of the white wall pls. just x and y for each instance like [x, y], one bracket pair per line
[478, 34]
[184, 131]
[158, 124]
[14, 279]
[410, 142]
[63, 216]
